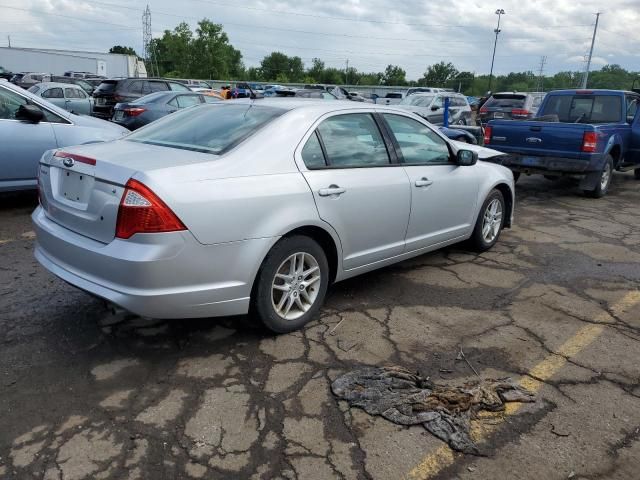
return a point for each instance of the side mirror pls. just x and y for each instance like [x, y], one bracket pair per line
[29, 113]
[435, 108]
[467, 158]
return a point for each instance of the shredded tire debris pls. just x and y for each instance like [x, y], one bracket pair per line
[407, 398]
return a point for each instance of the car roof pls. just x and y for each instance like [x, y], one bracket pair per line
[57, 84]
[319, 106]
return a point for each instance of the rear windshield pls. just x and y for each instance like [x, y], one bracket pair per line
[585, 108]
[208, 128]
[107, 87]
[506, 101]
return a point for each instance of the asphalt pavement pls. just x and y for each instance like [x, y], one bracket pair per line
[555, 306]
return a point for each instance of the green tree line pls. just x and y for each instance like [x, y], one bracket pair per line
[206, 53]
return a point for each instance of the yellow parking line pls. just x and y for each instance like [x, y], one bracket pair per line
[443, 457]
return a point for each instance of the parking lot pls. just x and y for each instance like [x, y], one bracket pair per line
[555, 305]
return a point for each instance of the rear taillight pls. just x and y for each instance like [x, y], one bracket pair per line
[142, 211]
[483, 110]
[520, 113]
[488, 130]
[134, 112]
[590, 142]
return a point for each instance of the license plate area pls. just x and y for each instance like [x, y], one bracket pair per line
[74, 188]
[529, 161]
[498, 115]
[119, 115]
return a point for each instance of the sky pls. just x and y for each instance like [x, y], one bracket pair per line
[369, 34]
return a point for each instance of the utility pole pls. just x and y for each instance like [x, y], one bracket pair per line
[9, 39]
[585, 79]
[540, 87]
[346, 74]
[146, 38]
[499, 12]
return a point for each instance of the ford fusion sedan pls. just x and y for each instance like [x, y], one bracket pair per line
[259, 206]
[29, 126]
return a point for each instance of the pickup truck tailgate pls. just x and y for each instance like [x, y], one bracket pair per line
[540, 139]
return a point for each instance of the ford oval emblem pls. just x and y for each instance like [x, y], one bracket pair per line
[68, 162]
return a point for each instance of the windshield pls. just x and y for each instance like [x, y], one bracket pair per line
[208, 128]
[506, 101]
[417, 100]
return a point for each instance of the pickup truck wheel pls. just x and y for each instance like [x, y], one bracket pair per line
[636, 173]
[604, 181]
[490, 222]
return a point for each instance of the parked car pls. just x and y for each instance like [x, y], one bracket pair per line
[209, 92]
[414, 90]
[511, 106]
[430, 106]
[73, 74]
[29, 126]
[124, 90]
[391, 98]
[458, 135]
[154, 106]
[584, 134]
[70, 97]
[82, 83]
[358, 97]
[270, 90]
[194, 83]
[6, 74]
[29, 79]
[259, 206]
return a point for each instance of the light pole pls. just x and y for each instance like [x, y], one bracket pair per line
[499, 12]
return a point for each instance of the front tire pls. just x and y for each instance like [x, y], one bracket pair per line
[604, 180]
[490, 222]
[636, 173]
[291, 284]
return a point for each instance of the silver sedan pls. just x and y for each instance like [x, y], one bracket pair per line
[259, 206]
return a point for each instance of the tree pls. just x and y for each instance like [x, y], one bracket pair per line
[123, 50]
[394, 75]
[278, 66]
[439, 75]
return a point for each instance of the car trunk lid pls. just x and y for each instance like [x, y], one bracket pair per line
[81, 187]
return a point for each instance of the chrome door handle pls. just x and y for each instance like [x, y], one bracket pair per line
[331, 190]
[424, 182]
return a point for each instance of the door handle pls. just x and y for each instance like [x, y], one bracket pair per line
[331, 190]
[424, 182]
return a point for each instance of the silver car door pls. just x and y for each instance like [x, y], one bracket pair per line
[21, 143]
[76, 101]
[357, 190]
[443, 194]
[55, 95]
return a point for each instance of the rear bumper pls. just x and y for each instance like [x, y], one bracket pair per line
[544, 165]
[157, 275]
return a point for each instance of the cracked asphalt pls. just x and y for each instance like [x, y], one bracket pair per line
[555, 305]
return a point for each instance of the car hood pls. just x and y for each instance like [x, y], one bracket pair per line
[483, 152]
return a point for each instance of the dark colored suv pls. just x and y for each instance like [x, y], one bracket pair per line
[511, 106]
[110, 92]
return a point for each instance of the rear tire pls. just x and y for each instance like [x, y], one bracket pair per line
[636, 173]
[291, 285]
[604, 180]
[490, 221]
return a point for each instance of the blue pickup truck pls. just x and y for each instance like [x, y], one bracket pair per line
[585, 134]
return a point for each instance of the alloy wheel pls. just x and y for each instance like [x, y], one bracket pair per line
[295, 286]
[492, 221]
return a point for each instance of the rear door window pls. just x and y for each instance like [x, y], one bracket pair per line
[353, 140]
[185, 101]
[156, 86]
[312, 154]
[178, 87]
